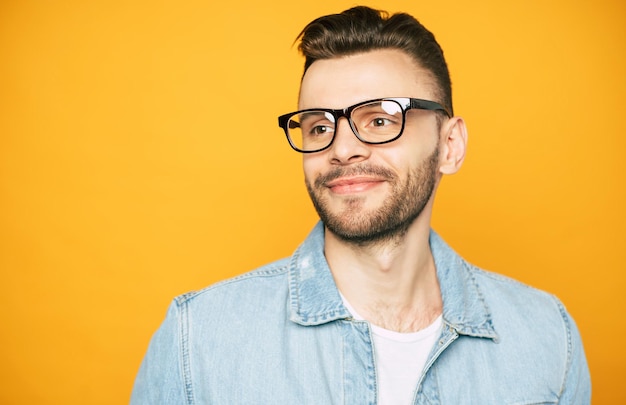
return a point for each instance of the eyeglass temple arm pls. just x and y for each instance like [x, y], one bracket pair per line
[428, 105]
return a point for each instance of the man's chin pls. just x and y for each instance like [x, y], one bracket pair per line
[364, 233]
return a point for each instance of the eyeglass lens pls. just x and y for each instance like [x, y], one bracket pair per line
[375, 122]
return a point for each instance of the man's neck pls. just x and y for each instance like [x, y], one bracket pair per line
[392, 285]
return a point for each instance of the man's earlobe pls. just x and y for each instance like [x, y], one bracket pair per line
[454, 144]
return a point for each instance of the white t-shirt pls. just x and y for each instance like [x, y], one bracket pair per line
[400, 359]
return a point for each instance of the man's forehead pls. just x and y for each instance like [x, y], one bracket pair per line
[342, 81]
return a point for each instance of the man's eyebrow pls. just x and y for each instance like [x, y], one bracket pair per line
[308, 114]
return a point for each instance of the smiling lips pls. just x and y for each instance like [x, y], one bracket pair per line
[351, 185]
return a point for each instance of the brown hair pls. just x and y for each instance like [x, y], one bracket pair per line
[362, 29]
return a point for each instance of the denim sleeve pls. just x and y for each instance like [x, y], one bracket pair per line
[160, 377]
[577, 384]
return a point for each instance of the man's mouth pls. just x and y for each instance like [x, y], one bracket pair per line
[341, 180]
[353, 184]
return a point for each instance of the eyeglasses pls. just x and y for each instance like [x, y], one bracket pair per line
[373, 122]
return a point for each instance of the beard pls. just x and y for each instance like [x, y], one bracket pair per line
[392, 219]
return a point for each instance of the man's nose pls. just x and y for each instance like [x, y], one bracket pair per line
[346, 147]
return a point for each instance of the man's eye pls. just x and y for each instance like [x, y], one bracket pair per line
[320, 130]
[380, 122]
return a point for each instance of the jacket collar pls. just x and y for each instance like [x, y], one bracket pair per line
[464, 306]
[314, 298]
[313, 295]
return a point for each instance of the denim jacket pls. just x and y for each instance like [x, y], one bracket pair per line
[281, 335]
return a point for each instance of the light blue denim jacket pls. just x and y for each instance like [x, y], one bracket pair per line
[281, 335]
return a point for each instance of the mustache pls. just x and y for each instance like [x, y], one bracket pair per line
[338, 172]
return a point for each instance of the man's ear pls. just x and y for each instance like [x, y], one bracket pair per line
[454, 143]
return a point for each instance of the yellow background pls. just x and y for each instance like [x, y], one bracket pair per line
[140, 158]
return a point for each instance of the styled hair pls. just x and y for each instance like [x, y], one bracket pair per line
[362, 29]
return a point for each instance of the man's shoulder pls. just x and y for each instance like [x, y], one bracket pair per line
[497, 285]
[256, 284]
[487, 292]
[512, 303]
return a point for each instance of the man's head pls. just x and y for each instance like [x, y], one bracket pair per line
[374, 123]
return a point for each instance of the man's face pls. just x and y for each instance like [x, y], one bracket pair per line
[370, 193]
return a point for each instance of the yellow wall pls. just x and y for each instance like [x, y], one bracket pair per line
[140, 158]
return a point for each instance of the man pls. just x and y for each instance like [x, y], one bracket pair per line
[373, 307]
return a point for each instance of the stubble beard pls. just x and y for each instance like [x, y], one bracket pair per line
[389, 222]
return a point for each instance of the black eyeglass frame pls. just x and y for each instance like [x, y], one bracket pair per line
[406, 103]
